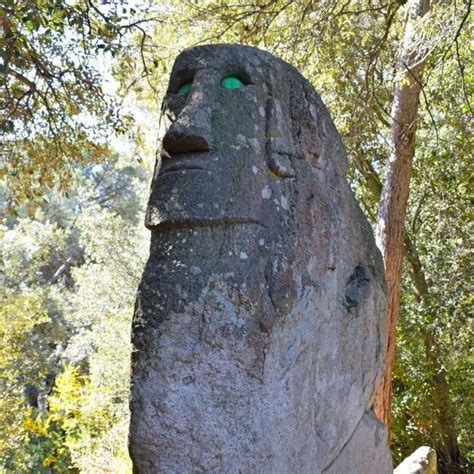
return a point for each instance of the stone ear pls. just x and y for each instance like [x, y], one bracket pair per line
[279, 141]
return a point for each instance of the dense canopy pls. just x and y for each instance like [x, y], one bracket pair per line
[81, 85]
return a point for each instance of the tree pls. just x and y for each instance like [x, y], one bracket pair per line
[65, 319]
[390, 230]
[71, 332]
[54, 111]
[348, 51]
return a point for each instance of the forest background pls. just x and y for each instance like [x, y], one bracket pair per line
[80, 87]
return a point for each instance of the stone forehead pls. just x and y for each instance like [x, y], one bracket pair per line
[227, 57]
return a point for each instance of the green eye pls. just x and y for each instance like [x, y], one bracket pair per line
[185, 88]
[231, 82]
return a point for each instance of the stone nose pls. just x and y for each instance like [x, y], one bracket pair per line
[191, 131]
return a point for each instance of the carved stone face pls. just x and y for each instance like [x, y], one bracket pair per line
[214, 143]
[228, 132]
[257, 345]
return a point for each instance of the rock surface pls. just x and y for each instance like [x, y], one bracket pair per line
[366, 450]
[422, 461]
[258, 328]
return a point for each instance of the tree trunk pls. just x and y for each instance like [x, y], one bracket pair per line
[445, 439]
[391, 218]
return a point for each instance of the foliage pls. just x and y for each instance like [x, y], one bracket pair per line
[441, 231]
[22, 366]
[70, 262]
[65, 332]
[54, 110]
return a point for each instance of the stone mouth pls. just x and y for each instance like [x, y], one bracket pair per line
[178, 164]
[191, 223]
[179, 169]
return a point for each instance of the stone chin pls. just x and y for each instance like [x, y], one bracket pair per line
[191, 194]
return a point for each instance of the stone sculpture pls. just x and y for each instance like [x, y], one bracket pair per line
[258, 329]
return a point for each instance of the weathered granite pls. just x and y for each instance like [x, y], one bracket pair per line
[258, 328]
[356, 458]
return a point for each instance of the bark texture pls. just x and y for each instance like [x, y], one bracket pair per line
[391, 219]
